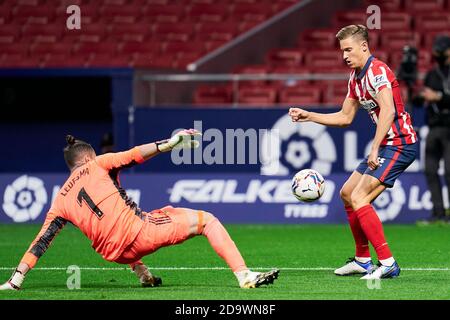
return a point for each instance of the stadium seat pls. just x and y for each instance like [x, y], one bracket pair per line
[338, 68]
[246, 25]
[130, 32]
[9, 33]
[41, 33]
[381, 55]
[211, 31]
[27, 2]
[181, 46]
[395, 21]
[154, 61]
[435, 21]
[186, 58]
[173, 31]
[33, 14]
[397, 40]
[142, 60]
[282, 5]
[318, 38]
[284, 57]
[419, 6]
[153, 2]
[374, 39]
[89, 33]
[108, 60]
[424, 60]
[53, 48]
[5, 14]
[120, 13]
[208, 12]
[114, 2]
[388, 5]
[211, 95]
[252, 69]
[19, 61]
[335, 92]
[17, 48]
[213, 44]
[300, 95]
[257, 96]
[164, 13]
[323, 59]
[345, 18]
[132, 47]
[64, 61]
[251, 12]
[289, 70]
[102, 47]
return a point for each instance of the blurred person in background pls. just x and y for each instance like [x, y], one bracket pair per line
[107, 143]
[436, 94]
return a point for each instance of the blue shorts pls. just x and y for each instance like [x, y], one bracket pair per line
[393, 161]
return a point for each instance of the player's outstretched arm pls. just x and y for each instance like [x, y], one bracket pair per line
[342, 118]
[141, 153]
[181, 139]
[52, 225]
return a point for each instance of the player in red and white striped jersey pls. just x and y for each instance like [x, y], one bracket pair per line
[373, 86]
[364, 87]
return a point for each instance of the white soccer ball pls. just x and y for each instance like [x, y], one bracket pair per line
[308, 185]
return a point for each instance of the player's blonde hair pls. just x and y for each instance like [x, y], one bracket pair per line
[353, 30]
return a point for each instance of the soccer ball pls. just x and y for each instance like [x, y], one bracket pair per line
[308, 185]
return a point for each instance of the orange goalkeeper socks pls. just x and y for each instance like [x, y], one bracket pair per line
[224, 246]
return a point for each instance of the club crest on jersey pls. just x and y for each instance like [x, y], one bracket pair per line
[381, 161]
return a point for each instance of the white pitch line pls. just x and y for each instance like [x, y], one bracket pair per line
[208, 268]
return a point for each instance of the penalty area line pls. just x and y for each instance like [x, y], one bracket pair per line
[205, 268]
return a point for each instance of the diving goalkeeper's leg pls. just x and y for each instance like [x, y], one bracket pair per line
[146, 278]
[206, 224]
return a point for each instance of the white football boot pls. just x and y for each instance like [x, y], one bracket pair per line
[255, 279]
[383, 272]
[353, 266]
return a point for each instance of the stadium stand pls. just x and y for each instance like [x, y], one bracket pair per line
[404, 22]
[171, 34]
[184, 30]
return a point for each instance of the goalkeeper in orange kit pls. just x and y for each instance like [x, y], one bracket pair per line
[93, 200]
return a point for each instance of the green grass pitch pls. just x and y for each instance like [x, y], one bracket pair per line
[306, 255]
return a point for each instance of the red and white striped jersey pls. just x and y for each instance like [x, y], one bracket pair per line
[365, 85]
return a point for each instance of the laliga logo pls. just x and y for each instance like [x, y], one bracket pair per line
[24, 199]
[390, 202]
[298, 152]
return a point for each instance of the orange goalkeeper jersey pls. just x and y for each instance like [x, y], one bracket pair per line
[93, 200]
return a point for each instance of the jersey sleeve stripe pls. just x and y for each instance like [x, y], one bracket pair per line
[45, 240]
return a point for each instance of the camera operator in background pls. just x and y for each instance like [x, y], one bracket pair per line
[436, 94]
[407, 72]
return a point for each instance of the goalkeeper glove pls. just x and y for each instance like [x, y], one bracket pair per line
[182, 139]
[15, 282]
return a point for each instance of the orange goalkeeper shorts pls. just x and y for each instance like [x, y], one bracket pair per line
[162, 227]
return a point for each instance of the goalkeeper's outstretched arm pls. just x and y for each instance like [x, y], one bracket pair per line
[141, 153]
[52, 226]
